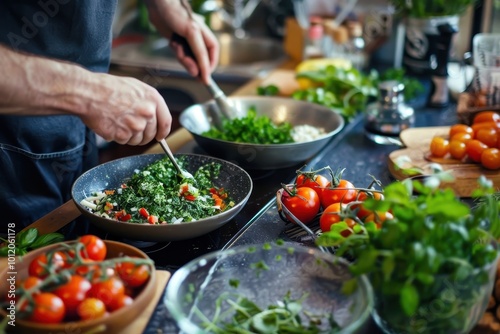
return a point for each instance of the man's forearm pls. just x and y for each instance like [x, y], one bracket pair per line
[32, 85]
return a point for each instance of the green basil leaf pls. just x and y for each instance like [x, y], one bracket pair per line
[47, 239]
[16, 251]
[26, 238]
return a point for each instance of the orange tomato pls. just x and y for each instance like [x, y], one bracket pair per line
[458, 149]
[490, 158]
[488, 136]
[462, 136]
[439, 146]
[331, 215]
[378, 217]
[474, 149]
[460, 128]
[477, 126]
[486, 116]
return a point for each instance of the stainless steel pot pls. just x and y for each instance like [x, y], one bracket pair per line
[201, 117]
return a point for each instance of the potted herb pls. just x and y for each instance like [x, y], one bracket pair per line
[433, 265]
[425, 9]
[430, 26]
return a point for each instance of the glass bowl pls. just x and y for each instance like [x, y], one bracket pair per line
[265, 275]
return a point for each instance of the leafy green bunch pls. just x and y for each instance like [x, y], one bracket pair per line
[30, 239]
[347, 91]
[430, 8]
[252, 128]
[344, 90]
[437, 249]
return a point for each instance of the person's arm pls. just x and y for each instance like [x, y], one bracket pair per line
[170, 16]
[119, 109]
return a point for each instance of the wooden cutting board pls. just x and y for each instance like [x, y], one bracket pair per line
[417, 141]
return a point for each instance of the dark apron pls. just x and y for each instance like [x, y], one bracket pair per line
[41, 156]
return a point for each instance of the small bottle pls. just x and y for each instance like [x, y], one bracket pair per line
[314, 42]
[355, 46]
[387, 117]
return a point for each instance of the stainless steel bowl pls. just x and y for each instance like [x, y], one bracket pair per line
[109, 175]
[200, 117]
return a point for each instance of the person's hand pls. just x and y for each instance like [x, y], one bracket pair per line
[126, 110]
[170, 16]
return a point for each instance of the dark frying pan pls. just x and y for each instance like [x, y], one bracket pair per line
[233, 178]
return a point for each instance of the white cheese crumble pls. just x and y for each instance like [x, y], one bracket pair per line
[303, 133]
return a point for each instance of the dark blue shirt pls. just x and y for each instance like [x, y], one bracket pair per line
[40, 157]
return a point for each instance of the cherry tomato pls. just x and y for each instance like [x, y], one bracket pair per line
[439, 146]
[30, 282]
[95, 248]
[463, 137]
[131, 274]
[474, 149]
[488, 136]
[457, 149]
[108, 290]
[48, 309]
[91, 308]
[344, 192]
[303, 203]
[477, 126]
[318, 183]
[362, 212]
[486, 116]
[490, 158]
[460, 128]
[331, 215]
[120, 302]
[378, 217]
[38, 266]
[73, 292]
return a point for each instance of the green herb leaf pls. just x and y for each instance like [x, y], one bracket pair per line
[47, 239]
[409, 299]
[25, 238]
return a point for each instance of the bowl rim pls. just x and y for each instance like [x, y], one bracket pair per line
[170, 297]
[62, 327]
[236, 207]
[325, 136]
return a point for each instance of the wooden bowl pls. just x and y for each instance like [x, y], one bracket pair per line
[112, 323]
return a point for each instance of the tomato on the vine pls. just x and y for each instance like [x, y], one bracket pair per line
[121, 301]
[30, 282]
[358, 208]
[378, 217]
[317, 182]
[95, 248]
[133, 275]
[91, 308]
[303, 203]
[108, 290]
[48, 309]
[39, 266]
[73, 292]
[343, 191]
[332, 215]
